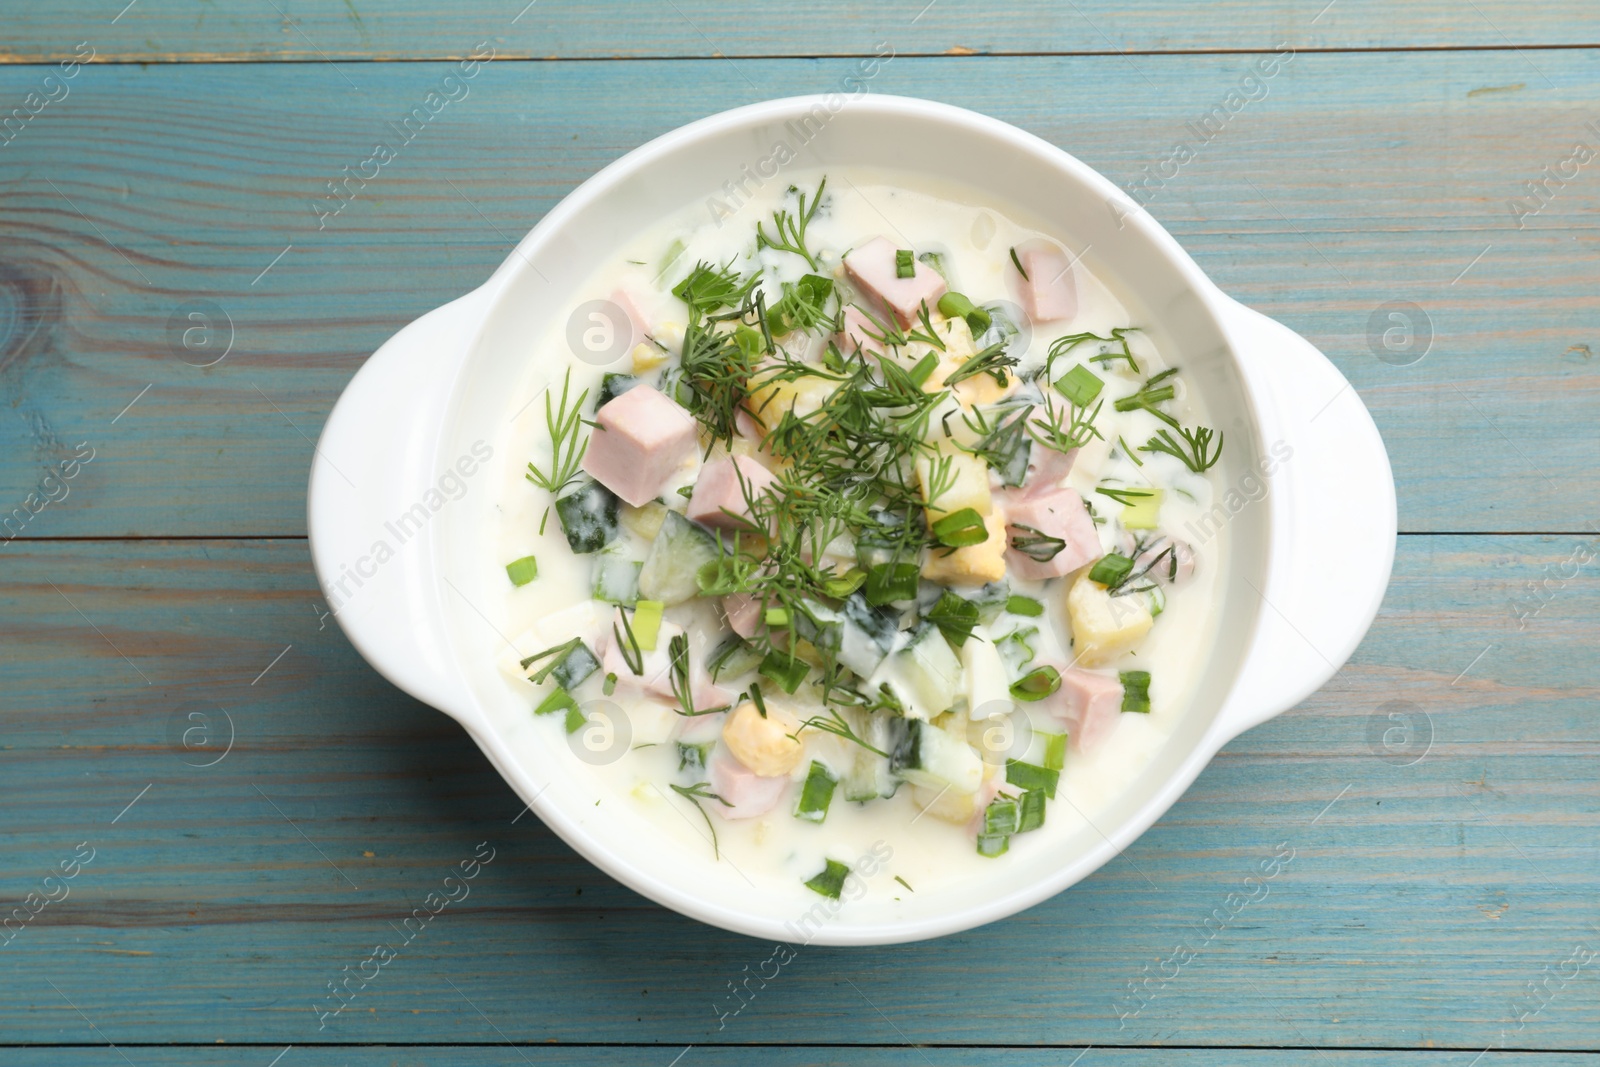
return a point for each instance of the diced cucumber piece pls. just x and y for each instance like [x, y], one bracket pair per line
[571, 669]
[925, 674]
[1032, 776]
[1009, 446]
[817, 623]
[1030, 811]
[613, 385]
[869, 634]
[693, 757]
[522, 571]
[1016, 648]
[733, 657]
[588, 516]
[991, 600]
[928, 756]
[816, 794]
[869, 776]
[673, 564]
[616, 574]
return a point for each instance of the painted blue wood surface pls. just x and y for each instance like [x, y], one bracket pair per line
[315, 30]
[1422, 900]
[1359, 180]
[1445, 878]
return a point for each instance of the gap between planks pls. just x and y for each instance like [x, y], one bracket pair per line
[197, 59]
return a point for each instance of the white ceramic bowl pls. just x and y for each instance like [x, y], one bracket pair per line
[1308, 563]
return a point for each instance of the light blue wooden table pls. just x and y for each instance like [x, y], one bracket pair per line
[1441, 795]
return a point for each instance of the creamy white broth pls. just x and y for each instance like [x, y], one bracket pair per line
[777, 852]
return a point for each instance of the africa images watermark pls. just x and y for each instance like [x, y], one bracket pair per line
[736, 192]
[53, 89]
[1553, 178]
[805, 929]
[1252, 86]
[345, 988]
[52, 489]
[450, 486]
[354, 178]
[1148, 986]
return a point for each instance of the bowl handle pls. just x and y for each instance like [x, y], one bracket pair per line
[1332, 531]
[368, 514]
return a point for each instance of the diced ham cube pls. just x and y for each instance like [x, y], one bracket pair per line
[857, 331]
[624, 300]
[1050, 291]
[1089, 704]
[1047, 469]
[872, 267]
[655, 679]
[640, 441]
[1166, 567]
[744, 613]
[721, 489]
[1058, 513]
[747, 793]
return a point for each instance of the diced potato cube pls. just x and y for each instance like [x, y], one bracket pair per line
[977, 564]
[952, 480]
[769, 399]
[647, 357]
[1103, 626]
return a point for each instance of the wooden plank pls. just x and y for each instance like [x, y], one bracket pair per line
[106, 237]
[769, 1056]
[299, 30]
[1422, 900]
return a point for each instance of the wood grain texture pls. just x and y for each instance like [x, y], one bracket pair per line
[1358, 180]
[1436, 873]
[768, 1056]
[314, 30]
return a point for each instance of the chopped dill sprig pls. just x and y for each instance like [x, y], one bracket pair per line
[1195, 451]
[567, 441]
[1154, 391]
[791, 228]
[694, 794]
[1111, 348]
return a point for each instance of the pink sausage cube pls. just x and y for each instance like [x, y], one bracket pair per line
[1089, 704]
[857, 331]
[872, 267]
[636, 320]
[1047, 469]
[721, 489]
[642, 439]
[1058, 513]
[1050, 291]
[744, 613]
[747, 793]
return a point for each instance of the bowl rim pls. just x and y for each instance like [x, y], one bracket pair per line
[1111, 843]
